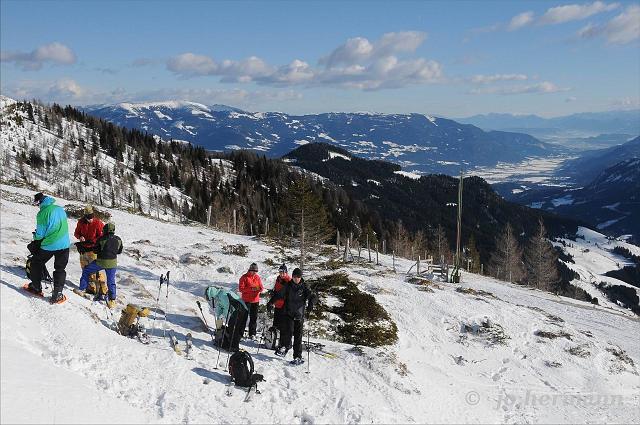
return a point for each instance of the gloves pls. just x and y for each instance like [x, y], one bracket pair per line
[34, 246]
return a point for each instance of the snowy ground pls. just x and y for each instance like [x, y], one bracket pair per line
[63, 364]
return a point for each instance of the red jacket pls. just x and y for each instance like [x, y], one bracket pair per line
[250, 287]
[278, 286]
[90, 230]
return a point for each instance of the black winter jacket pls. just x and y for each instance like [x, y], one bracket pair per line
[296, 297]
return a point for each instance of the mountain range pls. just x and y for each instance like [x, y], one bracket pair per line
[580, 131]
[416, 142]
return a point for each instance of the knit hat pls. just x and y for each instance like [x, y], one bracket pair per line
[110, 227]
[296, 272]
[283, 268]
[38, 198]
[253, 267]
[88, 209]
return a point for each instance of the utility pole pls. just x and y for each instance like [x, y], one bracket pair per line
[459, 218]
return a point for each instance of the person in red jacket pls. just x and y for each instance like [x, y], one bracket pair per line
[250, 288]
[88, 231]
[278, 305]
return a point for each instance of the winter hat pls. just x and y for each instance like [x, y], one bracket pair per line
[38, 198]
[110, 227]
[253, 267]
[283, 268]
[296, 272]
[88, 210]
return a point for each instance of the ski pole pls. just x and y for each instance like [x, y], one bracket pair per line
[155, 316]
[264, 325]
[166, 310]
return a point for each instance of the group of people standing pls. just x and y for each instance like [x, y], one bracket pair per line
[98, 247]
[291, 301]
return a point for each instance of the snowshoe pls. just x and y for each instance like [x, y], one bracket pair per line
[297, 361]
[57, 298]
[281, 352]
[83, 294]
[27, 287]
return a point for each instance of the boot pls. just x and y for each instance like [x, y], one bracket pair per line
[111, 304]
[29, 288]
[57, 298]
[297, 361]
[282, 352]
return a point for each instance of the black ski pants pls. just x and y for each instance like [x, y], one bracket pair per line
[38, 261]
[253, 318]
[292, 327]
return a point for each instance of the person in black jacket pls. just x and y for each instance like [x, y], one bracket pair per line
[298, 298]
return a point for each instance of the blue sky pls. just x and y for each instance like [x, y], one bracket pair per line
[453, 59]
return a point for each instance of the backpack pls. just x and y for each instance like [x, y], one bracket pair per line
[241, 369]
[45, 273]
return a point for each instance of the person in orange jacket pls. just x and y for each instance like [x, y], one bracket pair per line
[88, 230]
[250, 288]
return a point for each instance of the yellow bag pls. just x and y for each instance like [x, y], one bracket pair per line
[129, 317]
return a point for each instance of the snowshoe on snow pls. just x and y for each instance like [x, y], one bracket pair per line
[281, 351]
[83, 294]
[317, 348]
[27, 287]
[297, 361]
[57, 298]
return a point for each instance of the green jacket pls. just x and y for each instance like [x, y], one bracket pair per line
[109, 246]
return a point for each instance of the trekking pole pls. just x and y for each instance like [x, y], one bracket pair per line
[155, 316]
[264, 325]
[308, 350]
[233, 335]
[206, 324]
[166, 310]
[226, 321]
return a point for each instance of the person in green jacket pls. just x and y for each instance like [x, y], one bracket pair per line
[51, 239]
[107, 247]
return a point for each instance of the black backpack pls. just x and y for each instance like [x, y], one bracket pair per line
[241, 369]
[45, 273]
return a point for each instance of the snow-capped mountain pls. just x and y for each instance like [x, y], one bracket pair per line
[414, 141]
[482, 351]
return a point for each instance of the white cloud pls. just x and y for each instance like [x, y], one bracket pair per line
[542, 87]
[520, 21]
[570, 99]
[55, 52]
[358, 50]
[190, 64]
[358, 63]
[574, 12]
[622, 29]
[67, 90]
[484, 79]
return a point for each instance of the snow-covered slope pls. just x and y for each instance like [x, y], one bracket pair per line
[483, 356]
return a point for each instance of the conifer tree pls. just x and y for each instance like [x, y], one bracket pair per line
[506, 260]
[541, 261]
[307, 217]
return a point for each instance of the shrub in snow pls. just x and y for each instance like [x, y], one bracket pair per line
[239, 249]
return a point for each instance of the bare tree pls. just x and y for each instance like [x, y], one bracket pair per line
[541, 261]
[506, 260]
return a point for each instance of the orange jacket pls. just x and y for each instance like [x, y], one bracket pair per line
[250, 287]
[278, 286]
